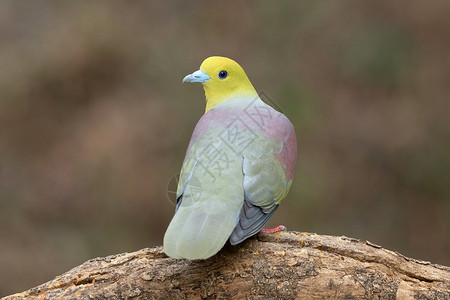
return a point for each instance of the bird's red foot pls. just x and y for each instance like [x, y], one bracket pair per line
[276, 229]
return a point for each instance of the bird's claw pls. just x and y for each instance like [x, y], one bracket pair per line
[276, 229]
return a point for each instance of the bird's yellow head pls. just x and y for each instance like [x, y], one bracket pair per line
[222, 79]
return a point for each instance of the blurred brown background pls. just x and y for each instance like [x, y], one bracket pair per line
[94, 120]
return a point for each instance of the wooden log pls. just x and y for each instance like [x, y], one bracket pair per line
[285, 265]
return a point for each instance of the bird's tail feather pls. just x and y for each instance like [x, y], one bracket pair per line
[198, 232]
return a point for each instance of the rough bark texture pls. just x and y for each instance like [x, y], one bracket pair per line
[285, 265]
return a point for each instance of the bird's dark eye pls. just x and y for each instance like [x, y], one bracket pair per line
[223, 74]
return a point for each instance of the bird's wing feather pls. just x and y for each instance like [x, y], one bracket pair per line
[268, 171]
[210, 193]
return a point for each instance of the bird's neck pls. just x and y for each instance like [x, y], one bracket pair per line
[213, 98]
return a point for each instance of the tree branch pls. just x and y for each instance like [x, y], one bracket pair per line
[285, 265]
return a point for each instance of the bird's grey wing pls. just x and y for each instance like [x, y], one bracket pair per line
[252, 219]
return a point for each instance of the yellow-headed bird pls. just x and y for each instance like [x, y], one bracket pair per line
[238, 167]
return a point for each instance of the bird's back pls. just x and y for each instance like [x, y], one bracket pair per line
[236, 137]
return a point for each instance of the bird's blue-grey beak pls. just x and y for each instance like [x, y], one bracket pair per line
[197, 76]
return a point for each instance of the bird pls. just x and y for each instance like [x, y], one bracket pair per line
[238, 166]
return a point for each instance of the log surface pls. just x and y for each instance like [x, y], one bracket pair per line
[285, 265]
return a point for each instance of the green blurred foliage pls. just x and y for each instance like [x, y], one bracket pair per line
[94, 121]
